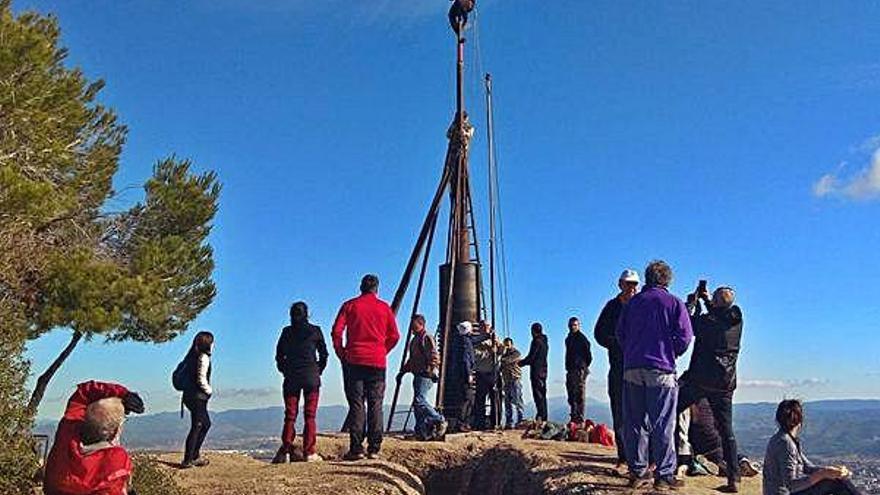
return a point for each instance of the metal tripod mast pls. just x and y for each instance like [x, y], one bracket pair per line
[460, 281]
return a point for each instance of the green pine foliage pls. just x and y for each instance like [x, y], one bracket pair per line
[68, 261]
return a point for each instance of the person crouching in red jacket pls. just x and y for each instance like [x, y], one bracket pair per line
[370, 333]
[86, 458]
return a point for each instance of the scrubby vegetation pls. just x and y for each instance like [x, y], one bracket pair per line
[149, 479]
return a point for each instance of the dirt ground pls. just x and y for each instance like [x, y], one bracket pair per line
[473, 463]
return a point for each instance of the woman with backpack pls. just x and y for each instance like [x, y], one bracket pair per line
[301, 356]
[193, 376]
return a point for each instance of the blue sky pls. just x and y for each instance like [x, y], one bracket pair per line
[735, 140]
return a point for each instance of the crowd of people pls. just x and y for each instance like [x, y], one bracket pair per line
[663, 423]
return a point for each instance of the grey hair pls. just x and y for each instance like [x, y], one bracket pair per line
[658, 273]
[724, 297]
[103, 420]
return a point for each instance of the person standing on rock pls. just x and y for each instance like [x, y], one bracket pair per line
[605, 333]
[536, 360]
[424, 363]
[654, 330]
[301, 356]
[370, 332]
[511, 382]
[577, 368]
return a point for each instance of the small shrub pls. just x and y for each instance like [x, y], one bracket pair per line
[150, 479]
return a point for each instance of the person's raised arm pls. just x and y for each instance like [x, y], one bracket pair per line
[88, 392]
[336, 332]
[682, 333]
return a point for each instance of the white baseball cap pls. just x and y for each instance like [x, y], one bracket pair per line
[629, 275]
[465, 328]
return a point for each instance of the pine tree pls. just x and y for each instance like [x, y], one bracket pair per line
[67, 262]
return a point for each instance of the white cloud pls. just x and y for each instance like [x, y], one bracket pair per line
[864, 185]
[783, 384]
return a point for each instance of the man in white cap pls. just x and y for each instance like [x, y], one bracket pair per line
[463, 345]
[606, 325]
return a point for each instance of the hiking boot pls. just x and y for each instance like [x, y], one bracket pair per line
[353, 456]
[667, 483]
[373, 455]
[747, 468]
[314, 458]
[186, 465]
[639, 482]
[201, 462]
[731, 487]
[281, 457]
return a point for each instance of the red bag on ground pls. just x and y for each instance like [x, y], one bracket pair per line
[602, 435]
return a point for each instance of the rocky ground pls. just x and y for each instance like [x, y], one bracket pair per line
[474, 463]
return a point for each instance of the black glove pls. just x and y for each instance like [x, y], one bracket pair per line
[133, 403]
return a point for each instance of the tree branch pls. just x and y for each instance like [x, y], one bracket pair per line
[43, 380]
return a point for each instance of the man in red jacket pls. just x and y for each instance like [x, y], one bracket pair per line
[370, 333]
[86, 458]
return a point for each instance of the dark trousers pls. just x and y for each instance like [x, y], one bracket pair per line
[200, 423]
[466, 414]
[539, 395]
[291, 409]
[721, 404]
[485, 389]
[831, 487]
[615, 394]
[576, 389]
[365, 383]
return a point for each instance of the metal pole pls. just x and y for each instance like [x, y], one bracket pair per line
[490, 128]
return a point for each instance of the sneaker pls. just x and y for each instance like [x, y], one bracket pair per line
[281, 457]
[373, 455]
[353, 456]
[696, 468]
[186, 465]
[748, 468]
[666, 483]
[639, 482]
[201, 462]
[314, 458]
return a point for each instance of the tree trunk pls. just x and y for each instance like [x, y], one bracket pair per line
[43, 380]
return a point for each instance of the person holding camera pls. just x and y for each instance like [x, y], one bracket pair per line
[87, 456]
[718, 327]
[423, 362]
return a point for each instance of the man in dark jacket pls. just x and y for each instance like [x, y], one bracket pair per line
[458, 13]
[536, 360]
[712, 372]
[577, 367]
[370, 331]
[423, 362]
[606, 326]
[464, 371]
[301, 356]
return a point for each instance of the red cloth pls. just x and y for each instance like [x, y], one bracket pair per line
[71, 472]
[370, 331]
[602, 435]
[310, 428]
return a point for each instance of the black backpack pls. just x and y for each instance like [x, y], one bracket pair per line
[182, 378]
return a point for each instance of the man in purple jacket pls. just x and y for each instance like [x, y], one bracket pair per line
[654, 329]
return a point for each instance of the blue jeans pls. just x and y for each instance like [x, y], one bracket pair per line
[513, 400]
[649, 401]
[426, 415]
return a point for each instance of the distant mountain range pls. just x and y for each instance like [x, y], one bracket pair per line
[833, 428]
